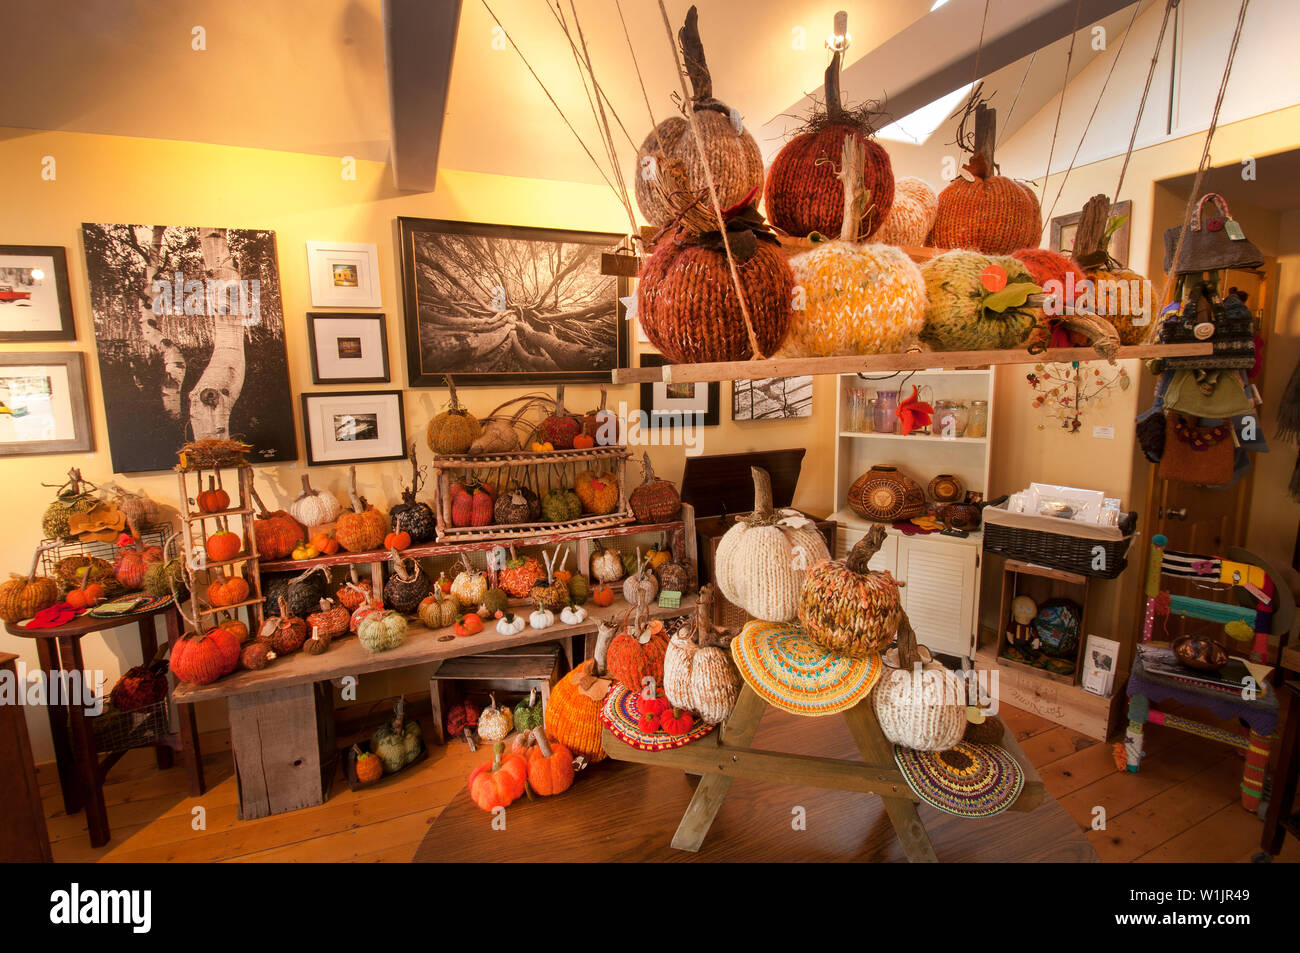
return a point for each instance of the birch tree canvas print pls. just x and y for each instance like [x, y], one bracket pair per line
[190, 335]
[497, 304]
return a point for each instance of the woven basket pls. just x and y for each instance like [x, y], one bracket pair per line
[1073, 553]
[884, 495]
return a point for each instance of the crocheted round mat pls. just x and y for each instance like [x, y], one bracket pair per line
[621, 716]
[789, 671]
[968, 780]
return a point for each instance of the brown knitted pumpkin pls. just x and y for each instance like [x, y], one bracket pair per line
[847, 608]
[276, 533]
[453, 430]
[256, 656]
[364, 528]
[670, 170]
[407, 586]
[24, 596]
[803, 193]
[285, 633]
[655, 500]
[987, 213]
[551, 592]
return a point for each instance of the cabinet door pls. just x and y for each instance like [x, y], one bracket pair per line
[940, 592]
[886, 558]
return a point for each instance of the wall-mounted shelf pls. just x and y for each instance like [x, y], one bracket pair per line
[916, 438]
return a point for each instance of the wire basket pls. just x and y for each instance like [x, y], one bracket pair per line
[60, 549]
[120, 730]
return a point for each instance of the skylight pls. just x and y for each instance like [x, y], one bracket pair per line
[919, 126]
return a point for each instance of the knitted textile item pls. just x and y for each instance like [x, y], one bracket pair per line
[857, 299]
[621, 714]
[994, 215]
[911, 216]
[804, 195]
[573, 718]
[688, 307]
[1044, 266]
[924, 710]
[670, 153]
[789, 671]
[629, 661]
[754, 566]
[849, 613]
[967, 780]
[987, 732]
[1117, 303]
[955, 317]
[702, 679]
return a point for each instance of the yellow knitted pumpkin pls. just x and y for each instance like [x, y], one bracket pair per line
[597, 491]
[572, 714]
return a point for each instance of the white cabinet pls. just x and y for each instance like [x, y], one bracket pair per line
[940, 591]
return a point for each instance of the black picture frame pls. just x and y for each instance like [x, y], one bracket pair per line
[425, 373]
[656, 418]
[67, 325]
[83, 440]
[401, 450]
[313, 317]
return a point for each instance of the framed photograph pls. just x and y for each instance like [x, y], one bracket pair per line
[348, 348]
[1100, 661]
[43, 406]
[344, 275]
[1064, 227]
[190, 335]
[670, 405]
[772, 398]
[35, 303]
[356, 426]
[500, 304]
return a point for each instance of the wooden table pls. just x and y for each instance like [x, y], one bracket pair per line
[81, 772]
[726, 754]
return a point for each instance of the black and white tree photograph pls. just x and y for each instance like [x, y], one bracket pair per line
[772, 398]
[190, 334]
[496, 304]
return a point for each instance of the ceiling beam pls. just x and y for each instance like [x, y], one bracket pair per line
[419, 43]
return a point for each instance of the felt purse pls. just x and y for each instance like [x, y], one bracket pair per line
[1151, 423]
[1207, 393]
[1197, 454]
[1213, 242]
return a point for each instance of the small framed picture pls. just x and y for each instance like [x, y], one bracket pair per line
[344, 275]
[1064, 228]
[348, 348]
[1100, 660]
[43, 405]
[354, 426]
[35, 303]
[671, 405]
[772, 398]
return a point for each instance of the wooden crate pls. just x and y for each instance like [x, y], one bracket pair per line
[1041, 583]
[509, 673]
[283, 744]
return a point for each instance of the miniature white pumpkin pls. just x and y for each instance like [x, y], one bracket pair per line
[761, 561]
[312, 507]
[510, 624]
[542, 619]
[495, 722]
[572, 615]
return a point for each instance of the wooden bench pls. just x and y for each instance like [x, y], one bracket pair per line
[514, 670]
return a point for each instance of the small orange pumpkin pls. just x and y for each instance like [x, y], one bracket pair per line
[498, 782]
[602, 595]
[398, 540]
[550, 766]
[227, 591]
[223, 545]
[213, 499]
[325, 544]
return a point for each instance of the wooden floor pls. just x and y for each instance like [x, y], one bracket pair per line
[1184, 805]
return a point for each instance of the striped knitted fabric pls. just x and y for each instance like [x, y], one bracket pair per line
[849, 613]
[1120, 308]
[754, 567]
[670, 154]
[922, 710]
[911, 216]
[804, 195]
[996, 216]
[857, 299]
[572, 718]
[702, 680]
[1043, 266]
[955, 319]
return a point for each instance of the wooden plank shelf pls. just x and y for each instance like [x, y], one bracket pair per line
[196, 517]
[875, 363]
[519, 458]
[213, 610]
[422, 645]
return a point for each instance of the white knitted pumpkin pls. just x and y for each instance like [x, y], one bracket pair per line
[911, 216]
[312, 507]
[699, 674]
[761, 561]
[923, 708]
[495, 722]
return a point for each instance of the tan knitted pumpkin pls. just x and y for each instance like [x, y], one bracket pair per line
[761, 561]
[24, 596]
[911, 216]
[847, 608]
[699, 674]
[920, 706]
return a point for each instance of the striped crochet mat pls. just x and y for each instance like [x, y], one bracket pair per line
[783, 665]
[622, 716]
[968, 780]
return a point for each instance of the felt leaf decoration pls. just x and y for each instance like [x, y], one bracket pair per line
[914, 413]
[1012, 296]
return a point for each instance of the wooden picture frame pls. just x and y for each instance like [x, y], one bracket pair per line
[472, 275]
[366, 409]
[1063, 227]
[369, 338]
[664, 410]
[44, 299]
[70, 404]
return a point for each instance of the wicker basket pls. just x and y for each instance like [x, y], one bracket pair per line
[1038, 539]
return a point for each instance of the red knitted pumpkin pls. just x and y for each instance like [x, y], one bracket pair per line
[804, 194]
[200, 659]
[1045, 266]
[630, 660]
[987, 213]
[139, 687]
[131, 565]
[275, 533]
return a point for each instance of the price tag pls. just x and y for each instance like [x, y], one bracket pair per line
[1104, 433]
[1234, 231]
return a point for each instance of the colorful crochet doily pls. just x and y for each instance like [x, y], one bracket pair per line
[968, 780]
[789, 671]
[621, 716]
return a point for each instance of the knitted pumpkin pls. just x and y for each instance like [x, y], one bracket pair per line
[637, 652]
[911, 216]
[560, 427]
[367, 766]
[962, 314]
[312, 507]
[223, 545]
[214, 499]
[329, 621]
[686, 296]
[472, 503]
[1120, 309]
[986, 213]
[364, 528]
[548, 592]
[922, 707]
[302, 592]
[255, 656]
[561, 505]
[406, 586]
[761, 561]
[470, 585]
[670, 167]
[520, 574]
[74, 496]
[847, 608]
[573, 712]
[655, 500]
[227, 591]
[641, 584]
[804, 194]
[203, 658]
[24, 596]
[461, 718]
[133, 562]
[518, 504]
[438, 611]
[605, 565]
[381, 631]
[1046, 266]
[397, 743]
[495, 721]
[601, 424]
[528, 713]
[453, 430]
[550, 766]
[285, 633]
[699, 673]
[276, 533]
[499, 782]
[597, 491]
[164, 576]
[353, 593]
[412, 516]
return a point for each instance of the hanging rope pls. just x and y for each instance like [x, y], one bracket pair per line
[1142, 105]
[1060, 106]
[635, 65]
[1006, 122]
[1153, 331]
[713, 191]
[1092, 115]
[558, 13]
[979, 47]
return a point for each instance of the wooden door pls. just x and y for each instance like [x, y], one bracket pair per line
[940, 591]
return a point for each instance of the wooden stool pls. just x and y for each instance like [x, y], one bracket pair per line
[518, 669]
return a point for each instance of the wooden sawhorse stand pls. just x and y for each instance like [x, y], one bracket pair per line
[726, 754]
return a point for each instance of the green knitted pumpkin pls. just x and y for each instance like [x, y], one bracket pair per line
[579, 589]
[964, 315]
[55, 520]
[398, 742]
[160, 576]
[561, 506]
[528, 713]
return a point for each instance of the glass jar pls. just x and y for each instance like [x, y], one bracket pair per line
[859, 410]
[979, 419]
[951, 418]
[886, 411]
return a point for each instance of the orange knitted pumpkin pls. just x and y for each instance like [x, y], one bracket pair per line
[597, 491]
[223, 545]
[631, 660]
[1117, 307]
[365, 527]
[498, 782]
[227, 591]
[275, 533]
[1050, 266]
[201, 659]
[987, 213]
[131, 565]
[550, 766]
[572, 714]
